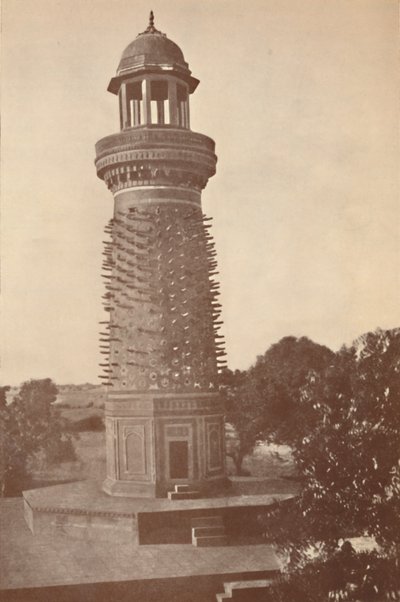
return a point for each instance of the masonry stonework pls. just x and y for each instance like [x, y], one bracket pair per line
[161, 345]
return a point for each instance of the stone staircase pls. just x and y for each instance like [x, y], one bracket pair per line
[208, 531]
[253, 590]
[183, 492]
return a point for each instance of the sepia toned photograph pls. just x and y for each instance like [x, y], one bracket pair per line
[200, 301]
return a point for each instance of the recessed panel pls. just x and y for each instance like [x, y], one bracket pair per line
[134, 451]
[214, 446]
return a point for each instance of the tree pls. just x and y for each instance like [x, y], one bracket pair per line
[29, 424]
[264, 402]
[3, 430]
[275, 383]
[241, 415]
[350, 464]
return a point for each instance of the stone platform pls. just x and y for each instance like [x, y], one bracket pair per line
[82, 510]
[51, 567]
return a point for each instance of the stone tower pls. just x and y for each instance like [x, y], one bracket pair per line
[161, 347]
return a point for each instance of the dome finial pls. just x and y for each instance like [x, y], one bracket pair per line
[150, 28]
[151, 19]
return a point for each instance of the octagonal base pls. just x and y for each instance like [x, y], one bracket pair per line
[156, 441]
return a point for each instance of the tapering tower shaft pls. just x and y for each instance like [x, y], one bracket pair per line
[164, 419]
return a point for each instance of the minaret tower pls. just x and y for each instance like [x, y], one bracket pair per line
[161, 347]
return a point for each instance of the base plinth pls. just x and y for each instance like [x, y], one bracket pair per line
[129, 489]
[82, 510]
[134, 489]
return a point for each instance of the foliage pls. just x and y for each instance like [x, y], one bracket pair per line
[30, 424]
[240, 415]
[350, 461]
[60, 450]
[90, 423]
[3, 396]
[265, 402]
[275, 381]
[344, 576]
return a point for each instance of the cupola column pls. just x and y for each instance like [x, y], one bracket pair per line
[146, 91]
[173, 103]
[187, 112]
[125, 113]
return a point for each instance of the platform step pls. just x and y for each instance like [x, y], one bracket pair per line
[214, 520]
[181, 488]
[206, 531]
[211, 540]
[246, 584]
[242, 591]
[183, 495]
[244, 595]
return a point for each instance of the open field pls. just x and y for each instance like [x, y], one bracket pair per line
[78, 413]
[81, 396]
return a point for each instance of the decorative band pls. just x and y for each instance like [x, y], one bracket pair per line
[155, 193]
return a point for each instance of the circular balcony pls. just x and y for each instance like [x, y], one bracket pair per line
[155, 149]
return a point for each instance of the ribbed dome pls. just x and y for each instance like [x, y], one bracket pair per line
[152, 52]
[151, 49]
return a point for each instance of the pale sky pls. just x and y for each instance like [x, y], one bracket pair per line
[301, 97]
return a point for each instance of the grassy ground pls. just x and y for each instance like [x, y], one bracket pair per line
[268, 460]
[77, 413]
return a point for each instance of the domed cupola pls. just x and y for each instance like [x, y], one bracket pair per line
[153, 81]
